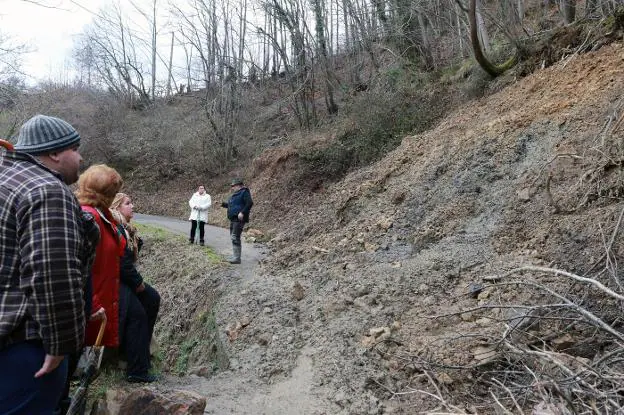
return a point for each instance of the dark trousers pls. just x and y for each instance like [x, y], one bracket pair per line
[20, 392]
[141, 311]
[194, 224]
[236, 229]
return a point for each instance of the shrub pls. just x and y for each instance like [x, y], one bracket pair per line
[377, 122]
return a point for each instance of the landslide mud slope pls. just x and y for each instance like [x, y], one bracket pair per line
[529, 175]
[362, 306]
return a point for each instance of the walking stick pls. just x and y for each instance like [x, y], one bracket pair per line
[79, 398]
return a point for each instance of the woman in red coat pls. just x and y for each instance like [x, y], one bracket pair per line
[97, 188]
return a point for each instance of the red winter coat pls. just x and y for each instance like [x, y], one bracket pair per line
[105, 278]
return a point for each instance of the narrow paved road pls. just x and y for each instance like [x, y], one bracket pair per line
[216, 238]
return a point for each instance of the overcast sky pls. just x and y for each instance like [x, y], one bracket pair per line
[48, 31]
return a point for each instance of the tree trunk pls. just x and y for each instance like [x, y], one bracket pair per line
[487, 66]
[568, 9]
[484, 38]
[153, 50]
[169, 76]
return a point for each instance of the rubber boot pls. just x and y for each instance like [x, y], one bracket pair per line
[236, 258]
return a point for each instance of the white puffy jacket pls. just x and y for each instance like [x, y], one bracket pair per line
[199, 206]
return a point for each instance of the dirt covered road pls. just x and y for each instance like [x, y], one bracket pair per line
[238, 389]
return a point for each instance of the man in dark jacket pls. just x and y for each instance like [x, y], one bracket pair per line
[238, 207]
[42, 273]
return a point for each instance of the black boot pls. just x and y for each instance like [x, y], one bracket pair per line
[236, 257]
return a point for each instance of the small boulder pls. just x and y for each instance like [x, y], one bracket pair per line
[145, 401]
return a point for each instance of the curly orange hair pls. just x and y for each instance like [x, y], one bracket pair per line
[98, 185]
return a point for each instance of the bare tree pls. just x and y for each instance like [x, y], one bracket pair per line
[10, 56]
[568, 9]
[117, 56]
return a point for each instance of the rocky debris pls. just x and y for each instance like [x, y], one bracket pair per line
[474, 289]
[563, 342]
[379, 334]
[253, 235]
[145, 401]
[297, 291]
[389, 242]
[484, 354]
[233, 330]
[550, 408]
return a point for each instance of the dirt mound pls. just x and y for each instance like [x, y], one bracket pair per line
[432, 280]
[530, 175]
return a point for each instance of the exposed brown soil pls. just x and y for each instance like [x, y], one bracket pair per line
[529, 175]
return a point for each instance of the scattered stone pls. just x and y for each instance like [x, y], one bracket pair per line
[264, 339]
[563, 342]
[149, 401]
[368, 341]
[547, 408]
[233, 331]
[524, 195]
[202, 371]
[376, 331]
[362, 291]
[468, 317]
[385, 223]
[370, 247]
[254, 233]
[444, 378]
[484, 322]
[395, 326]
[398, 197]
[474, 289]
[321, 250]
[484, 295]
[297, 291]
[428, 301]
[267, 310]
[484, 354]
[340, 398]
[380, 333]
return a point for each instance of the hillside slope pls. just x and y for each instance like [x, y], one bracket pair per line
[530, 175]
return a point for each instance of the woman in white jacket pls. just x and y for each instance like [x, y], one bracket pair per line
[199, 203]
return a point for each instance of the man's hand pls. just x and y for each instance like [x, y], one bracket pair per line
[98, 315]
[49, 364]
[241, 216]
[140, 288]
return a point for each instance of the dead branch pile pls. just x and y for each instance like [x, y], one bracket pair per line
[562, 354]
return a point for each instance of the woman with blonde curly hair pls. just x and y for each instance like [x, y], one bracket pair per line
[139, 301]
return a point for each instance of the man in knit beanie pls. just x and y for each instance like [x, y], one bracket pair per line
[41, 265]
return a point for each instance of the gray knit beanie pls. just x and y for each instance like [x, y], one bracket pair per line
[43, 134]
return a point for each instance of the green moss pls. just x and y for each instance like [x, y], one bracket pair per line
[183, 357]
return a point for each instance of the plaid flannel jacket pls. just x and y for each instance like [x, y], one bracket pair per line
[41, 257]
